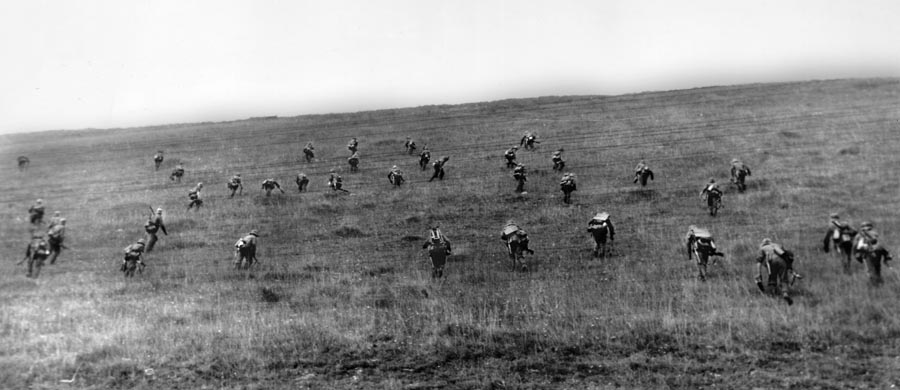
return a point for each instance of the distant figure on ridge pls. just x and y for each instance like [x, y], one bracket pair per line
[23, 162]
[158, 159]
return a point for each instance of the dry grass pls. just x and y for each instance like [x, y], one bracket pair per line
[343, 296]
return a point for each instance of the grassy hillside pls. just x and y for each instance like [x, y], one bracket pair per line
[343, 296]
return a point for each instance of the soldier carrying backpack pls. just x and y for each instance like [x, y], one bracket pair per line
[699, 243]
[153, 225]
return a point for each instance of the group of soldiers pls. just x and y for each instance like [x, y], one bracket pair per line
[43, 244]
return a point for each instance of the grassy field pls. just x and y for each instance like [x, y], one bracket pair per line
[343, 297]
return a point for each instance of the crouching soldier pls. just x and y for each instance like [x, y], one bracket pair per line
[35, 253]
[245, 250]
[601, 228]
[302, 182]
[55, 237]
[236, 184]
[516, 240]
[269, 185]
[510, 156]
[194, 196]
[699, 242]
[336, 182]
[779, 266]
[438, 249]
[133, 260]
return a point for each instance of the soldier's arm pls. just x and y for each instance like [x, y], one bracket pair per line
[163, 227]
[747, 169]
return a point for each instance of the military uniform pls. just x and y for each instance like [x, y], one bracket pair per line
[424, 157]
[134, 252]
[177, 173]
[510, 156]
[395, 176]
[558, 163]
[438, 249]
[37, 251]
[771, 257]
[36, 212]
[236, 183]
[699, 242]
[601, 228]
[158, 159]
[153, 226]
[194, 196]
[55, 237]
[520, 176]
[245, 249]
[352, 145]
[354, 162]
[54, 220]
[874, 255]
[336, 182]
[269, 185]
[438, 167]
[302, 182]
[410, 145]
[309, 152]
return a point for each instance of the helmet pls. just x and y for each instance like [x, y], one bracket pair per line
[867, 224]
[515, 147]
[159, 210]
[711, 180]
[62, 221]
[199, 185]
[734, 160]
[237, 174]
[56, 213]
[394, 168]
[141, 241]
[39, 201]
[254, 232]
[835, 216]
[765, 241]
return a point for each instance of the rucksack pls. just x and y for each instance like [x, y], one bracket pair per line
[150, 226]
[192, 195]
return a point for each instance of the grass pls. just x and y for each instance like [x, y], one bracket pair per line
[343, 298]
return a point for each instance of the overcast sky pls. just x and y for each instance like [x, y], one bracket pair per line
[78, 64]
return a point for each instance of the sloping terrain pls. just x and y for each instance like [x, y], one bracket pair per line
[343, 297]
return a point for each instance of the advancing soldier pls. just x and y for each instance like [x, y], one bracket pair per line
[309, 152]
[177, 173]
[438, 249]
[195, 198]
[567, 185]
[235, 184]
[410, 146]
[739, 172]
[779, 266]
[699, 242]
[712, 195]
[642, 172]
[36, 212]
[874, 254]
[134, 253]
[269, 185]
[520, 176]
[516, 240]
[245, 250]
[55, 220]
[336, 182]
[866, 233]
[302, 182]
[23, 162]
[158, 159]
[510, 156]
[840, 235]
[55, 237]
[528, 141]
[439, 168]
[352, 145]
[424, 157]
[354, 162]
[558, 163]
[600, 228]
[35, 253]
[153, 225]
[395, 176]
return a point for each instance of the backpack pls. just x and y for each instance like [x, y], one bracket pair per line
[192, 195]
[131, 253]
[151, 227]
[42, 248]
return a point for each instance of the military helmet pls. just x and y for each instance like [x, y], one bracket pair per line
[394, 168]
[254, 232]
[765, 241]
[199, 185]
[56, 213]
[141, 241]
[237, 174]
[39, 201]
[734, 161]
[159, 210]
[835, 216]
[62, 221]
[712, 180]
[867, 224]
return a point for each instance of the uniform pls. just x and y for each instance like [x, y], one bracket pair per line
[153, 226]
[712, 194]
[269, 185]
[245, 250]
[309, 152]
[55, 220]
[55, 237]
[36, 212]
[424, 157]
[354, 162]
[352, 145]
[438, 249]
[839, 235]
[177, 173]
[194, 196]
[699, 242]
[336, 183]
[510, 156]
[134, 252]
[874, 255]
[236, 183]
[395, 176]
[438, 167]
[642, 172]
[520, 176]
[738, 172]
[779, 264]
[558, 163]
[410, 145]
[158, 159]
[601, 228]
[36, 252]
[528, 140]
[302, 182]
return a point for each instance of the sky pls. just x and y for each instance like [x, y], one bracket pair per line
[123, 63]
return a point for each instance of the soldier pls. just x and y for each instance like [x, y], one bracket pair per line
[158, 159]
[439, 168]
[354, 162]
[194, 196]
[528, 140]
[840, 235]
[558, 163]
[510, 155]
[245, 249]
[520, 176]
[302, 182]
[134, 252]
[699, 242]
[410, 145]
[866, 233]
[236, 184]
[395, 176]
[874, 254]
[35, 253]
[568, 185]
[438, 249]
[269, 185]
[36, 212]
[601, 227]
[352, 145]
[642, 172]
[153, 225]
[177, 173]
[55, 237]
[712, 195]
[739, 172]
[23, 162]
[336, 182]
[424, 157]
[771, 256]
[309, 152]
[55, 220]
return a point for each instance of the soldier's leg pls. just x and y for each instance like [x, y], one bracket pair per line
[873, 267]
[38, 263]
[702, 260]
[151, 241]
[30, 266]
